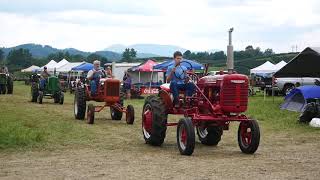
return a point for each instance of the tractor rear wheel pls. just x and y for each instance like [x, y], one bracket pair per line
[40, 97]
[210, 135]
[154, 121]
[90, 114]
[130, 114]
[249, 136]
[185, 136]
[61, 99]
[10, 85]
[79, 103]
[34, 92]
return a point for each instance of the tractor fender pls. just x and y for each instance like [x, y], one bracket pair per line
[166, 98]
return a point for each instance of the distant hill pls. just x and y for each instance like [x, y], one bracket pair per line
[39, 51]
[151, 49]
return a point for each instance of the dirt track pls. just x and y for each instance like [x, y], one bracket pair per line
[287, 158]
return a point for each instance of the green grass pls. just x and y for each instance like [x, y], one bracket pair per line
[25, 125]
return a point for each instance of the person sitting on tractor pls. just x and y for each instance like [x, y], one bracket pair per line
[180, 82]
[44, 78]
[94, 76]
[108, 72]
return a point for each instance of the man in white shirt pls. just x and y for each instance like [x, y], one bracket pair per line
[94, 76]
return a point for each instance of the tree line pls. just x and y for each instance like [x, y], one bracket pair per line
[18, 59]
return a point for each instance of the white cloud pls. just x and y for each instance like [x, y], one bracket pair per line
[196, 25]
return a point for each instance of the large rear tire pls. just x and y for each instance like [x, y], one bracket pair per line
[80, 103]
[34, 92]
[210, 135]
[154, 121]
[249, 136]
[10, 85]
[61, 100]
[40, 97]
[185, 136]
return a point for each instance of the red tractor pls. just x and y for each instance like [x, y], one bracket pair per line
[217, 101]
[108, 91]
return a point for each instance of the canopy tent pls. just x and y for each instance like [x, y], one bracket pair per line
[145, 66]
[30, 69]
[68, 67]
[280, 65]
[144, 73]
[266, 67]
[61, 63]
[298, 98]
[305, 64]
[163, 66]
[83, 67]
[51, 65]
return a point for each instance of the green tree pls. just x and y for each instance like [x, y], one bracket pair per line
[268, 52]
[1, 56]
[92, 57]
[187, 54]
[19, 58]
[129, 55]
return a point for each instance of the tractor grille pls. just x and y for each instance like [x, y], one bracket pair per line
[234, 96]
[112, 88]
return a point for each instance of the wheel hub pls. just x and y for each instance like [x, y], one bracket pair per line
[246, 134]
[147, 121]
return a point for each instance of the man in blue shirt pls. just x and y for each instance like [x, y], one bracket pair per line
[176, 75]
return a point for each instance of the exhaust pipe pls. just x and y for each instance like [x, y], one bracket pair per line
[230, 61]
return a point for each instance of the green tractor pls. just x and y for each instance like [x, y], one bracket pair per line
[6, 83]
[51, 89]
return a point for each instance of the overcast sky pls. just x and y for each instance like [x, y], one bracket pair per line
[92, 25]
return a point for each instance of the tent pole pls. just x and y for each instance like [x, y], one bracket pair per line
[139, 77]
[151, 82]
[264, 94]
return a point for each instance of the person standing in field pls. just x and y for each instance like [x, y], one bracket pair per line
[127, 84]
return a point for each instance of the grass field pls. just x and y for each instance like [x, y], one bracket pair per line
[45, 141]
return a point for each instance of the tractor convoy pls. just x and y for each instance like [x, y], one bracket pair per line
[217, 100]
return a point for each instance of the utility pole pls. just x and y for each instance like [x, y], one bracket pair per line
[230, 60]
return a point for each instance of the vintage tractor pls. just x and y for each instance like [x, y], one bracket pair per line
[217, 101]
[52, 90]
[108, 92]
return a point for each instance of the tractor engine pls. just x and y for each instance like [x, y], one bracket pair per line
[111, 90]
[227, 92]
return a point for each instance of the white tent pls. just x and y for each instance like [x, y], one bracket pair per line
[266, 67]
[280, 65]
[61, 63]
[30, 69]
[68, 67]
[50, 66]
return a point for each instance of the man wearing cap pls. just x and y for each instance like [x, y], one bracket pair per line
[94, 76]
[43, 78]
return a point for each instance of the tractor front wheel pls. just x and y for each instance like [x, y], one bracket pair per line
[185, 136]
[79, 103]
[210, 136]
[90, 114]
[249, 136]
[154, 121]
[130, 114]
[40, 97]
[115, 113]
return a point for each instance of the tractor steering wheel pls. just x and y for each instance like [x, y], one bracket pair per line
[183, 75]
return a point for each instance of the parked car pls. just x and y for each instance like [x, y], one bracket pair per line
[285, 85]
